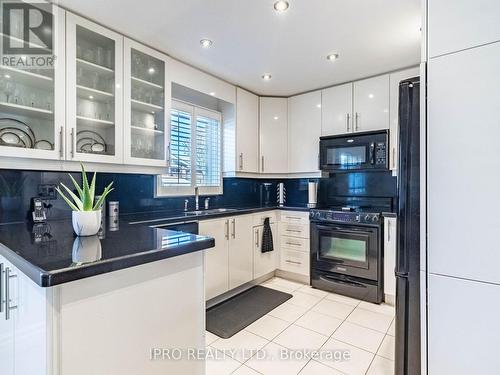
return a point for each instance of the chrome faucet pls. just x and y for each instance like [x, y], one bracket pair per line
[196, 198]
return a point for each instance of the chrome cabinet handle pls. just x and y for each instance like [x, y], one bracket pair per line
[292, 261]
[388, 231]
[168, 154]
[356, 120]
[8, 307]
[1, 287]
[293, 244]
[347, 118]
[72, 133]
[393, 158]
[293, 217]
[61, 141]
[293, 231]
[262, 163]
[233, 221]
[241, 161]
[226, 234]
[257, 238]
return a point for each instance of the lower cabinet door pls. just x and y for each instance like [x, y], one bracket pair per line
[240, 250]
[216, 258]
[6, 329]
[264, 263]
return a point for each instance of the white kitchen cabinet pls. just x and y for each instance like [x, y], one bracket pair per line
[466, 24]
[394, 79]
[247, 131]
[294, 242]
[390, 245]
[463, 131]
[304, 130]
[463, 334]
[35, 99]
[273, 135]
[264, 263]
[146, 105]
[217, 258]
[336, 110]
[94, 92]
[371, 104]
[7, 341]
[240, 250]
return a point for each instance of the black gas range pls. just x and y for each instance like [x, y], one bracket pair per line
[347, 251]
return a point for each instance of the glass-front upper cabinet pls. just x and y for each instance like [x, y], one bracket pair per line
[94, 92]
[32, 108]
[147, 102]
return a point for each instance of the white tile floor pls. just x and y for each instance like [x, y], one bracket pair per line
[316, 321]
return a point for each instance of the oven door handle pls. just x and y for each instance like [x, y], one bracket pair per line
[341, 281]
[342, 229]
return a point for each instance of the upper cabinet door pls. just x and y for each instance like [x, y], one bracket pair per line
[371, 104]
[466, 24]
[147, 103]
[304, 130]
[94, 88]
[273, 135]
[247, 131]
[336, 110]
[32, 99]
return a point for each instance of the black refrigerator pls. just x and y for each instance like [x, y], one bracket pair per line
[408, 246]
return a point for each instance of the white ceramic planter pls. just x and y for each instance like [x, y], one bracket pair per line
[86, 223]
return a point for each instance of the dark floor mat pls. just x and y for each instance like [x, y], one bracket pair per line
[238, 312]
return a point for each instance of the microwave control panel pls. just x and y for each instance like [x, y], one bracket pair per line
[380, 153]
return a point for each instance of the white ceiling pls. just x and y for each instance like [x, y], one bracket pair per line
[250, 38]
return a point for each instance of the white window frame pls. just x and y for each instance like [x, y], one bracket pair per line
[173, 190]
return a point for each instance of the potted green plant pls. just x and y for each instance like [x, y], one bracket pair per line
[86, 215]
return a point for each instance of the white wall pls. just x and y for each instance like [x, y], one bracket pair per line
[463, 129]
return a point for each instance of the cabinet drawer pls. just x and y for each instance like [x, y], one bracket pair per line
[295, 261]
[258, 219]
[294, 230]
[295, 217]
[295, 243]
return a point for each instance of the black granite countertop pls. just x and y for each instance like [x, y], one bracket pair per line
[50, 254]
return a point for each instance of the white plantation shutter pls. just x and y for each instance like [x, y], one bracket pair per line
[195, 152]
[208, 151]
[180, 149]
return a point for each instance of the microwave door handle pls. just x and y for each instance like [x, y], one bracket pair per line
[372, 153]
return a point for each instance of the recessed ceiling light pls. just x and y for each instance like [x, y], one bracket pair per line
[332, 56]
[276, 117]
[212, 93]
[91, 97]
[7, 76]
[266, 77]
[151, 70]
[281, 5]
[371, 96]
[318, 105]
[206, 43]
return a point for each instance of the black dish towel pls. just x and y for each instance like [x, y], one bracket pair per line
[267, 237]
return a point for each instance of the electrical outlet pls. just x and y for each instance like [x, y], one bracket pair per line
[47, 191]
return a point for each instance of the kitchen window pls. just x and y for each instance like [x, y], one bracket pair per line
[195, 151]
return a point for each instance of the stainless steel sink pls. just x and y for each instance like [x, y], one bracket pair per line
[209, 212]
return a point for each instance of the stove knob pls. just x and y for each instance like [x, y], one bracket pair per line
[367, 217]
[318, 215]
[375, 218]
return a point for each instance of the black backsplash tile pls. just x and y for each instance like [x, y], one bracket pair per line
[135, 192]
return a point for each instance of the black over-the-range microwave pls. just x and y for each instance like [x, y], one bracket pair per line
[357, 151]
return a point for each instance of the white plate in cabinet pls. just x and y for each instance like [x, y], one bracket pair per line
[295, 217]
[258, 219]
[295, 261]
[294, 230]
[295, 243]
